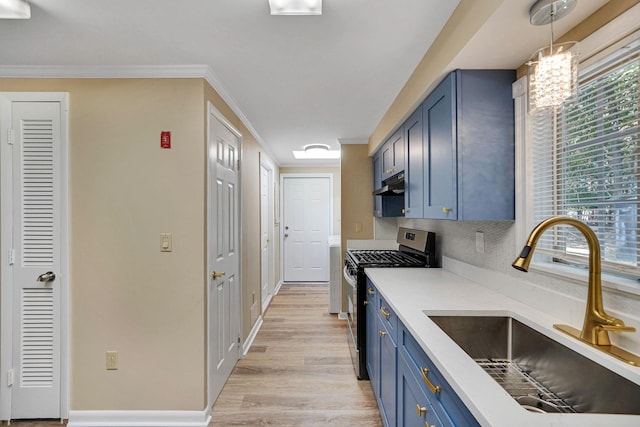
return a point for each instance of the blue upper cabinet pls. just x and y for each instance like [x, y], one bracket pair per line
[468, 147]
[414, 166]
[393, 155]
[439, 152]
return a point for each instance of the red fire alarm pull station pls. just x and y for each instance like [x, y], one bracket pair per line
[165, 139]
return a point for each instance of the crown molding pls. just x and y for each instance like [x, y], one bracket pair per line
[217, 85]
[134, 72]
[102, 71]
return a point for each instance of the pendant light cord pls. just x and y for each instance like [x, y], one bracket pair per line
[553, 15]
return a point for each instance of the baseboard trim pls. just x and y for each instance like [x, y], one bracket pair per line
[277, 289]
[252, 336]
[139, 418]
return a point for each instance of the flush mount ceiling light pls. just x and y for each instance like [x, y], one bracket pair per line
[317, 151]
[553, 70]
[296, 7]
[14, 9]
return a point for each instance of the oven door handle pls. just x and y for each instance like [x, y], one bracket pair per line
[350, 280]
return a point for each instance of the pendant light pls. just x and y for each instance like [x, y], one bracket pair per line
[553, 70]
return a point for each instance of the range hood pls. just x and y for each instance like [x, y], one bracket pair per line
[393, 186]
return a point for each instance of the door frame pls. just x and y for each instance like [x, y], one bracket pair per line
[284, 176]
[6, 244]
[212, 110]
[264, 163]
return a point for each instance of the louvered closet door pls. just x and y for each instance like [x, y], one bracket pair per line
[36, 234]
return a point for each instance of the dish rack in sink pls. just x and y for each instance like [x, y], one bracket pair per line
[525, 389]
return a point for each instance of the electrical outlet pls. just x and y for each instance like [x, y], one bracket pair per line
[480, 242]
[112, 360]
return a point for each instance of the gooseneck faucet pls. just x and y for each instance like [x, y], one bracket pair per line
[597, 323]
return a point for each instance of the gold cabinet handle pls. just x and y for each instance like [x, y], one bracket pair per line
[371, 291]
[217, 274]
[404, 211]
[384, 312]
[434, 388]
[421, 410]
[446, 210]
[366, 302]
[383, 334]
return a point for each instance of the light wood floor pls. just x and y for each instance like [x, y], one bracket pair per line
[297, 373]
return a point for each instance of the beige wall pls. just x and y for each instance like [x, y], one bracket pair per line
[336, 190]
[124, 191]
[356, 171]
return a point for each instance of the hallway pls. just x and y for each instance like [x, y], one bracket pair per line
[298, 371]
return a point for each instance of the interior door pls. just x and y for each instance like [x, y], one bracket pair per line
[265, 241]
[224, 306]
[306, 220]
[32, 214]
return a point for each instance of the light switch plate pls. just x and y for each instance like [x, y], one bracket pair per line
[166, 244]
[112, 360]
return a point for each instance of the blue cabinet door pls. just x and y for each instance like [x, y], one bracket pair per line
[392, 153]
[414, 409]
[387, 394]
[439, 155]
[414, 166]
[373, 339]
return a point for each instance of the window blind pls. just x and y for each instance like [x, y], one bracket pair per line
[585, 165]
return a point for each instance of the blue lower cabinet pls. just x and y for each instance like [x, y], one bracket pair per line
[388, 360]
[414, 409]
[444, 400]
[409, 389]
[373, 339]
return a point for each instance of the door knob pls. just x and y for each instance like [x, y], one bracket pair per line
[216, 274]
[286, 235]
[47, 277]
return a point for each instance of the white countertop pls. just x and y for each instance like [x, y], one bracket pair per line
[410, 291]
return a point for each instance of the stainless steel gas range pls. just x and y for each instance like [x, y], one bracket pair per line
[416, 249]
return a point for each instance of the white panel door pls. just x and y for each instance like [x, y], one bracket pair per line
[306, 220]
[265, 223]
[224, 306]
[35, 261]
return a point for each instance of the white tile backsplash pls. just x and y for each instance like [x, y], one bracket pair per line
[456, 239]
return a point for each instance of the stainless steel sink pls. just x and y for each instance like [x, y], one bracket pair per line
[538, 372]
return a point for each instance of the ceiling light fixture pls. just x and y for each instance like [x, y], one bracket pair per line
[296, 7]
[316, 152]
[14, 9]
[553, 70]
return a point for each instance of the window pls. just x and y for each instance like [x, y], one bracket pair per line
[586, 165]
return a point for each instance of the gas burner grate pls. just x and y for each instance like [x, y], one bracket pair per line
[525, 389]
[375, 257]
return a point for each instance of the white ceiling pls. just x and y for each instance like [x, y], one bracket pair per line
[297, 79]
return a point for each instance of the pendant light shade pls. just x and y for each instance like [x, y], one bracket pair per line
[553, 70]
[296, 7]
[553, 76]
